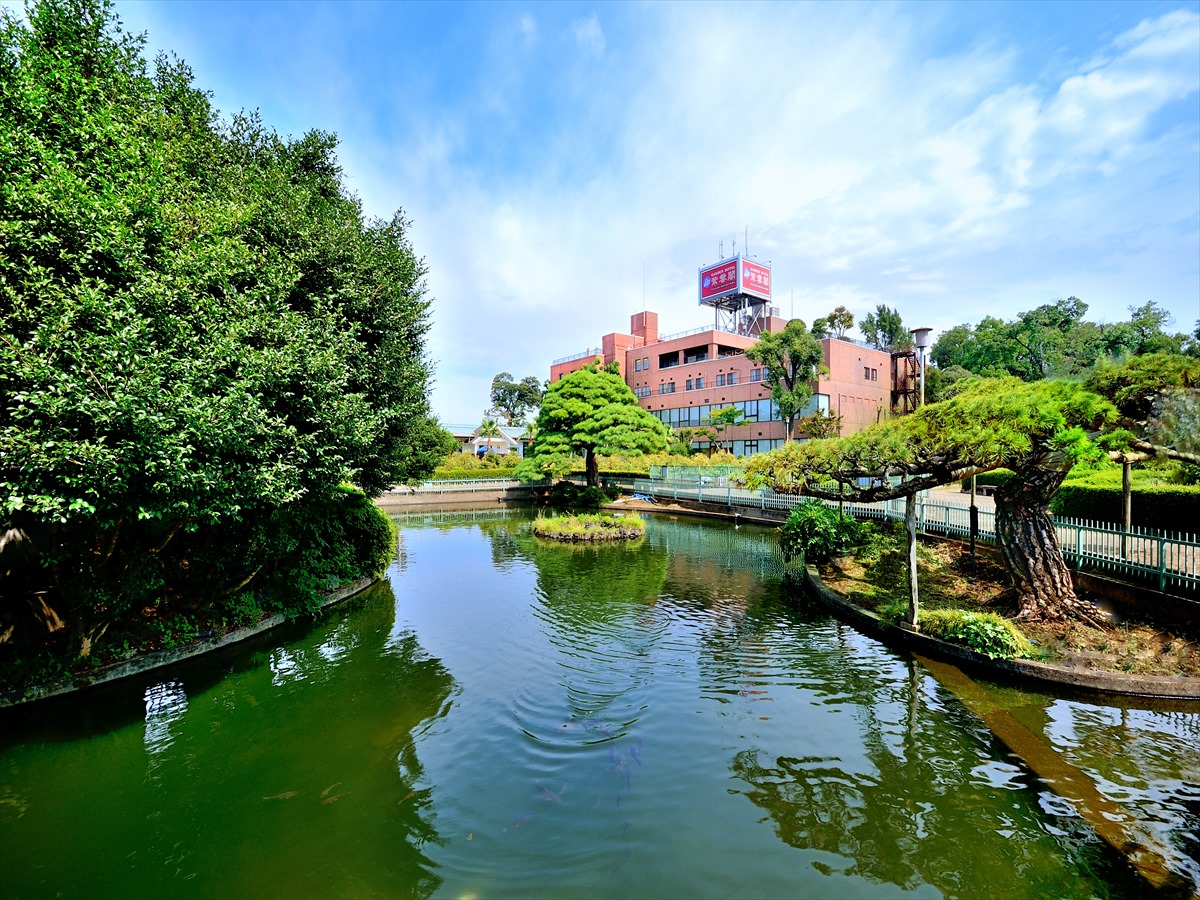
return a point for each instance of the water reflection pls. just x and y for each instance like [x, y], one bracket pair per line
[166, 704]
[298, 775]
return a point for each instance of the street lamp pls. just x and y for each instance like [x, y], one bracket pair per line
[921, 339]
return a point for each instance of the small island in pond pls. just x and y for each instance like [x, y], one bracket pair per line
[589, 528]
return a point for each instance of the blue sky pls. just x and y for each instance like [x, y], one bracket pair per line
[951, 160]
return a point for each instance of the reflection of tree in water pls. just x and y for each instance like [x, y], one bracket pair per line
[503, 535]
[925, 810]
[1146, 760]
[600, 603]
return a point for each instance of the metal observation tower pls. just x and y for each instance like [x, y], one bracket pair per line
[739, 291]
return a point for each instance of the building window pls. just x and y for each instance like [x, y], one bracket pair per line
[645, 363]
[874, 374]
[867, 373]
[720, 381]
[751, 447]
[671, 388]
[732, 378]
[668, 388]
[689, 384]
[756, 374]
[699, 384]
[637, 365]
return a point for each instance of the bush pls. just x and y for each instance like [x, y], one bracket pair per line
[569, 495]
[445, 474]
[985, 633]
[312, 547]
[815, 532]
[1169, 507]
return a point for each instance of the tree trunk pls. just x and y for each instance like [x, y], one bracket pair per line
[592, 468]
[1027, 540]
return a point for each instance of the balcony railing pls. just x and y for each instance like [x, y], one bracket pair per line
[595, 351]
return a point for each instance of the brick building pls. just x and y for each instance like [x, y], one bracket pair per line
[683, 377]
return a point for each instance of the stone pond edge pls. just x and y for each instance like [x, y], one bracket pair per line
[160, 658]
[1164, 687]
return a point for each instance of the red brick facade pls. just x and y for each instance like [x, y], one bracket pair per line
[683, 378]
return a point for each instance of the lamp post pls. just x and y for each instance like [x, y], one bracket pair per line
[921, 339]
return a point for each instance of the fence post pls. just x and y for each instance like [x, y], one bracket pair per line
[1162, 564]
[1078, 547]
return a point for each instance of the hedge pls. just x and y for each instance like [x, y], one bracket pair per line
[1167, 507]
[470, 474]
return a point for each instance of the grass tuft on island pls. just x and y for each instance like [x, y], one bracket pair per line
[589, 528]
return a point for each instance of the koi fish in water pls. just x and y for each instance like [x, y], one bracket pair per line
[519, 820]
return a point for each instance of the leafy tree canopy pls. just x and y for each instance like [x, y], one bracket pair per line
[591, 411]
[1054, 340]
[791, 359]
[883, 329]
[197, 325]
[512, 399]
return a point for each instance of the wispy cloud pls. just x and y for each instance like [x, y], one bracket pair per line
[875, 153]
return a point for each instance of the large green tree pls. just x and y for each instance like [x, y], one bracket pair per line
[792, 359]
[884, 329]
[591, 411]
[1038, 430]
[1053, 340]
[198, 328]
[512, 399]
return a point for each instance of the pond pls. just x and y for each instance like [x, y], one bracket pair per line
[505, 718]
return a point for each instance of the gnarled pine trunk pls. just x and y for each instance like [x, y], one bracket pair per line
[1026, 537]
[592, 468]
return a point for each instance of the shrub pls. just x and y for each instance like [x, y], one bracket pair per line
[568, 495]
[985, 633]
[1170, 507]
[815, 532]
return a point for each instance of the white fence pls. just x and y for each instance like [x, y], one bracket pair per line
[1170, 560]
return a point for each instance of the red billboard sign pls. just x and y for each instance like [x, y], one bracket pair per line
[734, 277]
[718, 280]
[756, 279]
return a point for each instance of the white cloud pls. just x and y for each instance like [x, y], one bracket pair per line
[589, 35]
[868, 167]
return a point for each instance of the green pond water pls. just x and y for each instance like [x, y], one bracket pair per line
[505, 718]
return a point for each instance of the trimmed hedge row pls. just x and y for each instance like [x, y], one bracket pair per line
[470, 474]
[1168, 507]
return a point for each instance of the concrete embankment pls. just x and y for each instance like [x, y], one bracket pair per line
[162, 658]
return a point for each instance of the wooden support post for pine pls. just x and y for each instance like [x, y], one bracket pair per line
[1126, 506]
[974, 525]
[910, 525]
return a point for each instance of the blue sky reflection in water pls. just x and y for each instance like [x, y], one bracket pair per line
[506, 718]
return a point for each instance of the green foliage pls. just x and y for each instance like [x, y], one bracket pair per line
[199, 332]
[990, 423]
[512, 399]
[1169, 507]
[1053, 340]
[815, 532]
[585, 528]
[983, 632]
[569, 495]
[883, 329]
[720, 420]
[994, 478]
[1137, 386]
[791, 359]
[594, 412]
